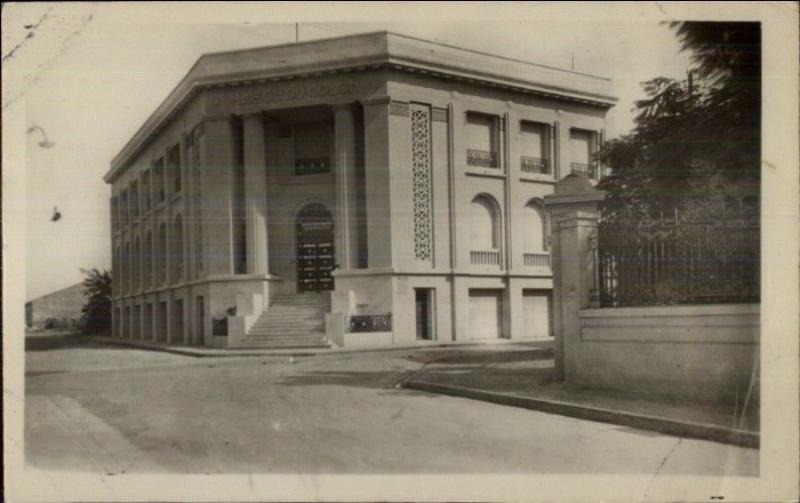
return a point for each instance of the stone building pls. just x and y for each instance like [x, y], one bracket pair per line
[59, 309]
[368, 190]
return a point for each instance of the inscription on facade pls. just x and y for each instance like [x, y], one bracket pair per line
[439, 114]
[398, 108]
[297, 91]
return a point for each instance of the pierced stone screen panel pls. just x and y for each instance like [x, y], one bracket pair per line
[421, 166]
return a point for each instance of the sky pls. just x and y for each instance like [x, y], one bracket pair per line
[91, 74]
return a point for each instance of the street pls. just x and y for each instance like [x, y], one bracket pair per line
[114, 410]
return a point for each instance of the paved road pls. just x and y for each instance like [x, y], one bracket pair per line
[114, 410]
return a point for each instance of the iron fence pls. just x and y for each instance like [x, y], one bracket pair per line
[369, 323]
[534, 165]
[482, 158]
[587, 170]
[676, 263]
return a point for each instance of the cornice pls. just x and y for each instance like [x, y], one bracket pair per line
[195, 82]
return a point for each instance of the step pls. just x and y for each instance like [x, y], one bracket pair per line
[300, 302]
[292, 327]
[286, 340]
[306, 335]
[272, 312]
[294, 337]
[267, 346]
[262, 337]
[290, 340]
[277, 319]
[290, 323]
[292, 317]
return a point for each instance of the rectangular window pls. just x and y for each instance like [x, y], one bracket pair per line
[123, 207]
[147, 333]
[482, 139]
[137, 322]
[581, 145]
[145, 191]
[174, 168]
[534, 146]
[158, 181]
[116, 323]
[161, 335]
[537, 308]
[200, 321]
[177, 321]
[126, 323]
[115, 213]
[134, 195]
[424, 311]
[312, 148]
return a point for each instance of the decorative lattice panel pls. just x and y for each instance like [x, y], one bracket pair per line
[421, 161]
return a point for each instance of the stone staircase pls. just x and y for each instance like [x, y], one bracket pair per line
[291, 321]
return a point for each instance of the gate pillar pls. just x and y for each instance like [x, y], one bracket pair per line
[573, 213]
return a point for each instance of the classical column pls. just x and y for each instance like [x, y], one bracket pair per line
[346, 186]
[218, 199]
[255, 163]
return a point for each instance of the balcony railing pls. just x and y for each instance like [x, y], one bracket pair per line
[488, 257]
[587, 170]
[482, 158]
[535, 165]
[536, 259]
[369, 323]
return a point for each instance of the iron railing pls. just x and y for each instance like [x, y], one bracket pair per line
[587, 170]
[534, 165]
[676, 263]
[369, 323]
[219, 326]
[482, 158]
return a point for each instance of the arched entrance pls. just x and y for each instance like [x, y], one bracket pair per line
[315, 253]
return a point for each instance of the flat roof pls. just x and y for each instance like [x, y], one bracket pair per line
[367, 50]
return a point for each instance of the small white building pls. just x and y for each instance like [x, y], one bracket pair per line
[368, 190]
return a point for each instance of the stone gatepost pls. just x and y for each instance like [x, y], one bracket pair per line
[573, 213]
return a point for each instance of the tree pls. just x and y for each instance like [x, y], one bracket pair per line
[695, 147]
[96, 316]
[679, 221]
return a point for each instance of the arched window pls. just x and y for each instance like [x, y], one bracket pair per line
[484, 228]
[126, 263]
[535, 230]
[135, 258]
[116, 275]
[161, 254]
[177, 248]
[147, 260]
[485, 237]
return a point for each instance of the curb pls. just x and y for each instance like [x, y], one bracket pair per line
[256, 352]
[687, 429]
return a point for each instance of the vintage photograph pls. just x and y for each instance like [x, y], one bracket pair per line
[353, 244]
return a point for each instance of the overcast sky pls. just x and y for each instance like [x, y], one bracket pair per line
[92, 73]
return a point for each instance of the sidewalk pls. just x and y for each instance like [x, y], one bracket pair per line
[526, 379]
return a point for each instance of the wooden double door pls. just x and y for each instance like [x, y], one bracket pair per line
[315, 248]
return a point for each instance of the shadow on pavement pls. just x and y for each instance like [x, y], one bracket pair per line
[499, 380]
[65, 341]
[481, 356]
[385, 380]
